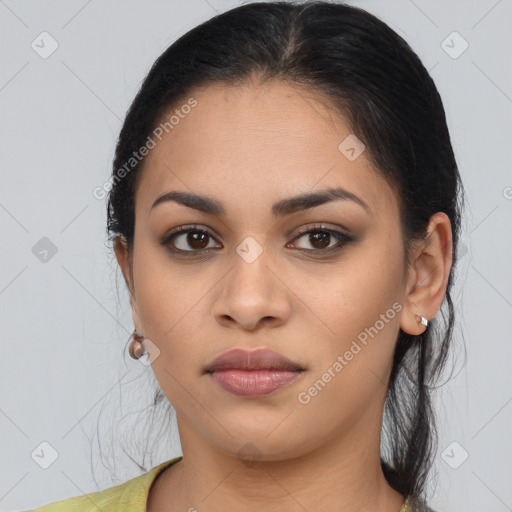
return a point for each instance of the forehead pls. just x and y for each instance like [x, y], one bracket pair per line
[251, 145]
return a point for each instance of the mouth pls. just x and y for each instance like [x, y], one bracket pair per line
[260, 359]
[252, 374]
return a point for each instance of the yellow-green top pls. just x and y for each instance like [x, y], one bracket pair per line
[132, 495]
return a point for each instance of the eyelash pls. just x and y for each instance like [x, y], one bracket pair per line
[342, 239]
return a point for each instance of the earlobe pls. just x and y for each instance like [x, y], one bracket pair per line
[428, 276]
[414, 323]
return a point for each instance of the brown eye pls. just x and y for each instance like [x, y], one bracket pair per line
[320, 240]
[197, 240]
[188, 239]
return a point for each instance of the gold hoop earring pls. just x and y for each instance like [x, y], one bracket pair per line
[136, 348]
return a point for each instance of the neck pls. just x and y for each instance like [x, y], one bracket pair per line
[343, 474]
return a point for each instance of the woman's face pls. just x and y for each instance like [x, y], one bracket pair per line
[332, 306]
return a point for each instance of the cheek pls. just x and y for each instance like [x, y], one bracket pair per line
[171, 316]
[351, 296]
[356, 309]
[166, 304]
[352, 359]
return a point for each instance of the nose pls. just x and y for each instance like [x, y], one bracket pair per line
[252, 295]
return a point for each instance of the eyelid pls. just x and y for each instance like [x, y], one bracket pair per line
[321, 226]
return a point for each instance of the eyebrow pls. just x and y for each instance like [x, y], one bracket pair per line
[281, 208]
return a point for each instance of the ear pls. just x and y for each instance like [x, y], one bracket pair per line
[428, 275]
[125, 262]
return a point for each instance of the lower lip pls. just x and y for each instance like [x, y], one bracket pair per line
[253, 383]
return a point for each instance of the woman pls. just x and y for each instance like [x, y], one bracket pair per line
[285, 209]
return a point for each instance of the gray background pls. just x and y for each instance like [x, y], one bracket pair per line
[64, 325]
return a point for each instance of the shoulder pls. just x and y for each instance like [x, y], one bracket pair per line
[130, 495]
[106, 500]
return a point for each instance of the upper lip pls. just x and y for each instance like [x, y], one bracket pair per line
[243, 359]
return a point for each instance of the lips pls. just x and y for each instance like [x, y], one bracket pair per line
[259, 359]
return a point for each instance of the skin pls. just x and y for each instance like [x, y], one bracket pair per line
[249, 147]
